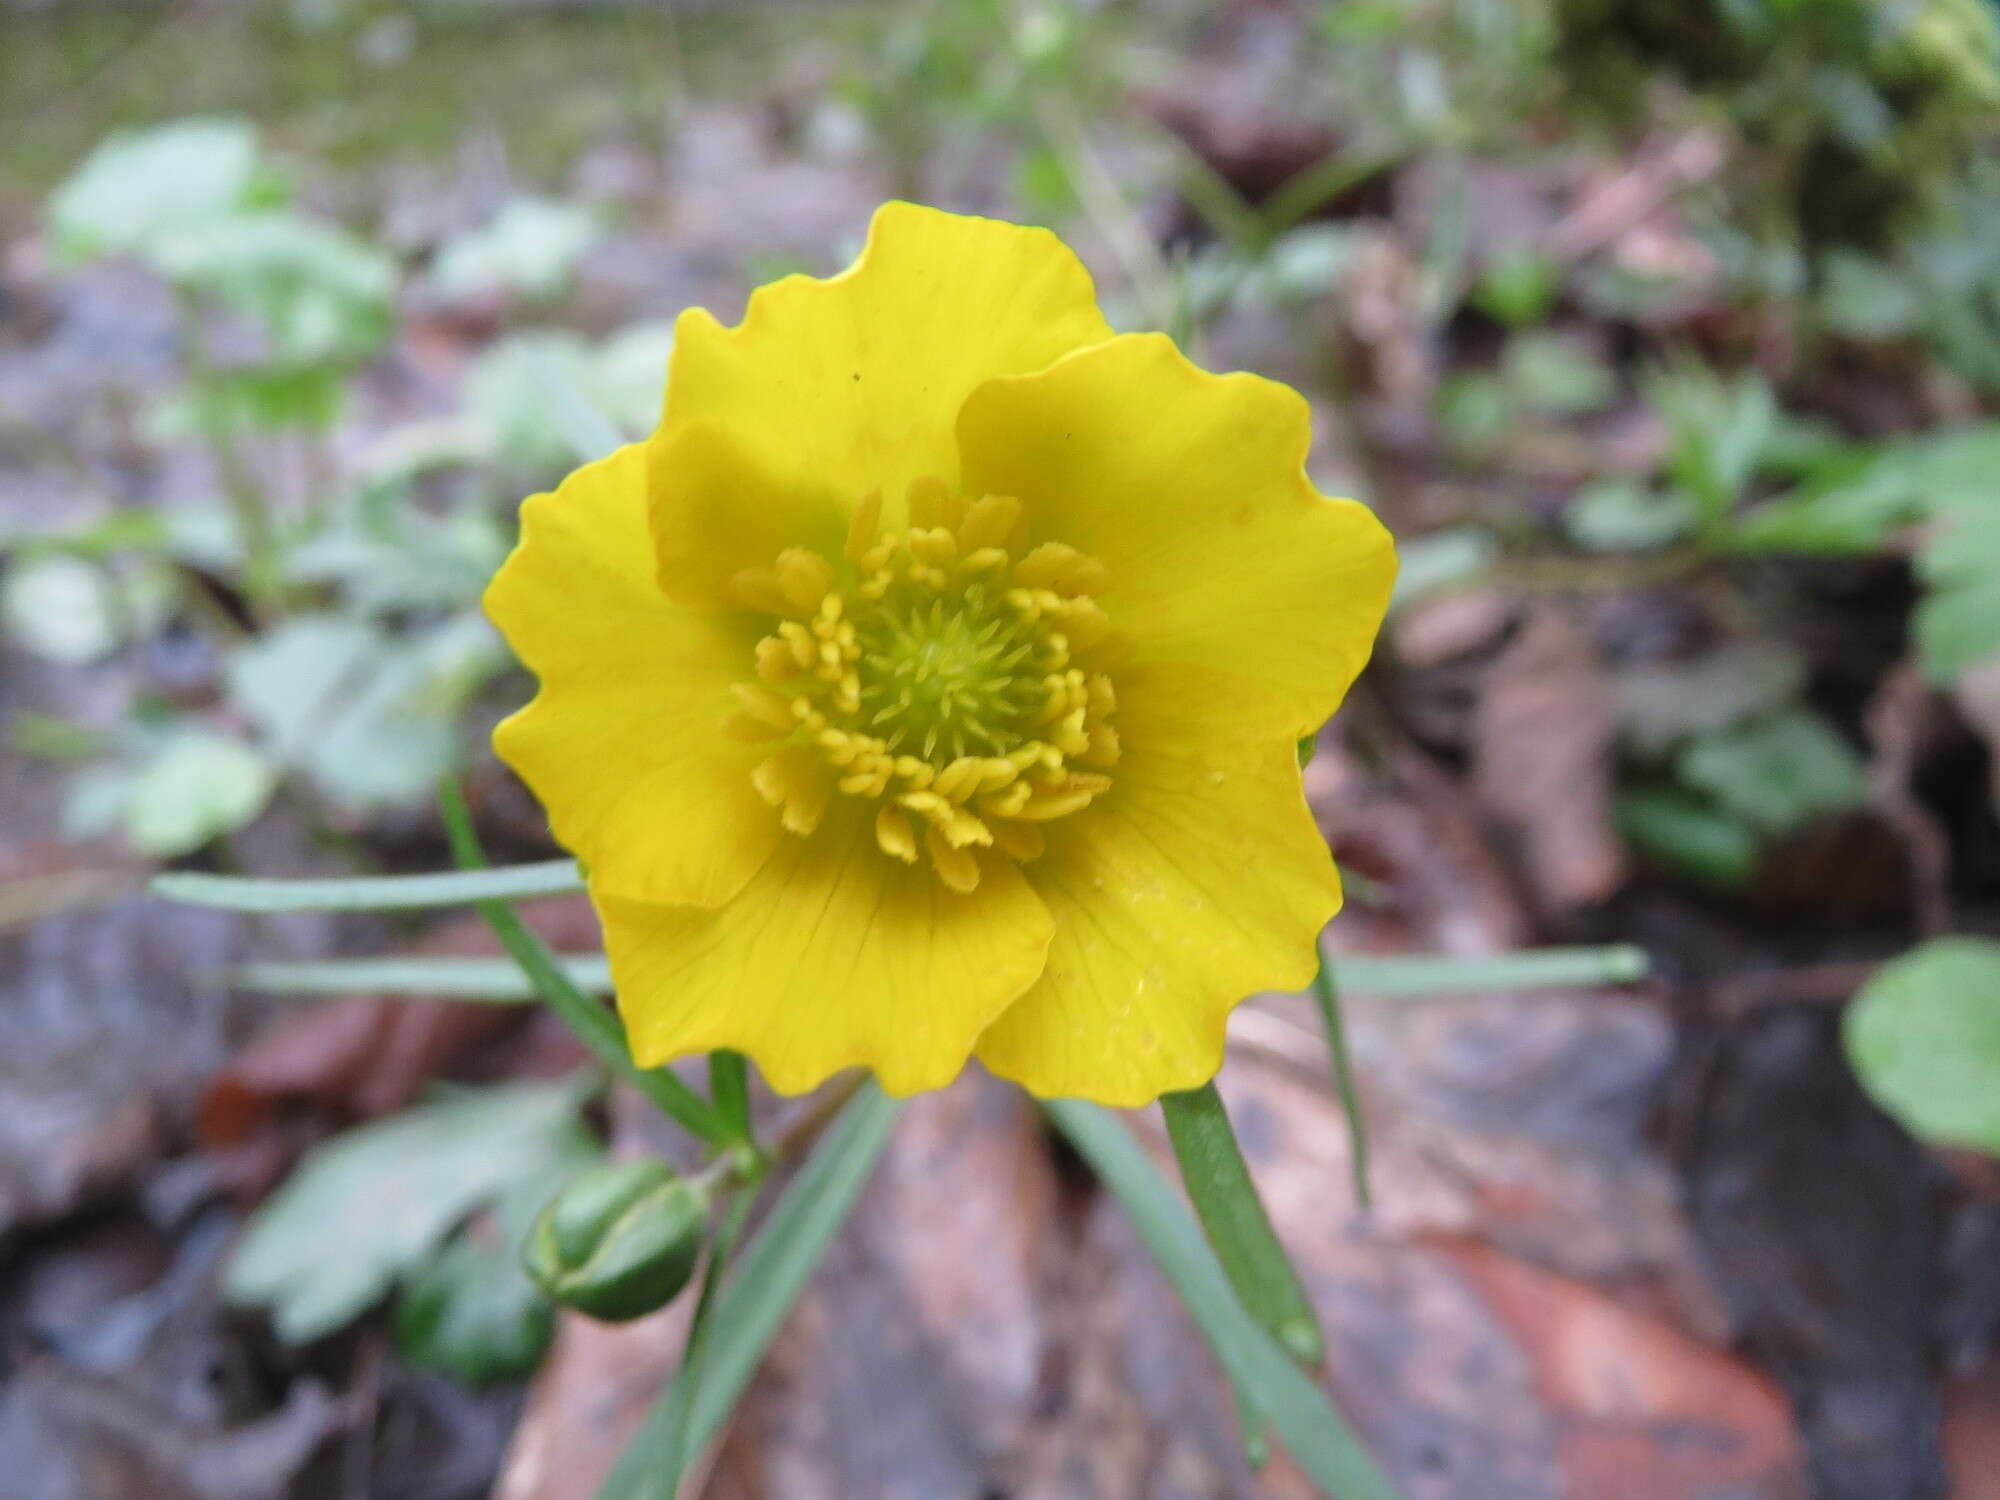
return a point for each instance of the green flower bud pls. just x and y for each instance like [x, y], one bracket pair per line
[620, 1240]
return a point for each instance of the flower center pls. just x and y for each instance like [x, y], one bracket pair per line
[936, 675]
[948, 675]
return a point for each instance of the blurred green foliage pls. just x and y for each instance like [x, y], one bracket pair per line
[435, 1201]
[1924, 1037]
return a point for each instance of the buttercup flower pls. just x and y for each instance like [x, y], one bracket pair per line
[928, 684]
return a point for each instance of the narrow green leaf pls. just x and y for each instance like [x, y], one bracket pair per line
[688, 1385]
[1416, 978]
[370, 893]
[1326, 990]
[593, 1024]
[1218, 1181]
[500, 980]
[758, 1296]
[495, 981]
[1306, 1422]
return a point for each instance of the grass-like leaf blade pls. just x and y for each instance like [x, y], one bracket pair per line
[1239, 1230]
[1326, 994]
[369, 892]
[758, 1295]
[1389, 977]
[1318, 1439]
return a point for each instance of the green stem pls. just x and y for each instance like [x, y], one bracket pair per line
[729, 1091]
[596, 1027]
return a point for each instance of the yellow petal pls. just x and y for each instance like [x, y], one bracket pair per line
[1190, 489]
[722, 509]
[622, 744]
[1197, 880]
[854, 383]
[832, 957]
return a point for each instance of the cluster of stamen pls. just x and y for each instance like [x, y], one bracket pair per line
[934, 673]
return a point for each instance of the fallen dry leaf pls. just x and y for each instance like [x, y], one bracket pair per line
[1640, 1411]
[1542, 760]
[1972, 1434]
[913, 1365]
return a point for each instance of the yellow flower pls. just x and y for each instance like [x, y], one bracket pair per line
[928, 684]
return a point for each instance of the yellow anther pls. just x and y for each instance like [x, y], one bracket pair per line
[957, 868]
[927, 805]
[919, 773]
[805, 577]
[1045, 807]
[1103, 698]
[775, 662]
[868, 783]
[800, 642]
[989, 522]
[997, 771]
[937, 547]
[963, 830]
[862, 528]
[982, 560]
[1070, 736]
[1008, 802]
[1058, 566]
[794, 782]
[759, 589]
[1104, 748]
[894, 835]
[960, 779]
[1055, 700]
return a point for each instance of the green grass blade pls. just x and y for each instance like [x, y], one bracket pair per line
[1387, 978]
[1315, 1434]
[758, 1295]
[687, 1386]
[1416, 977]
[1239, 1231]
[1326, 991]
[491, 981]
[593, 1023]
[370, 893]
